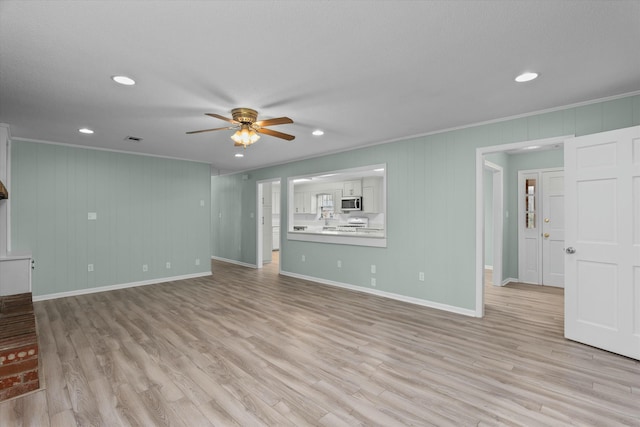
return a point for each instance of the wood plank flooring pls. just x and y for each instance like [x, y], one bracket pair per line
[251, 348]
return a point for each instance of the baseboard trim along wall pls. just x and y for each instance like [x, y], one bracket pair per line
[384, 294]
[120, 286]
[232, 261]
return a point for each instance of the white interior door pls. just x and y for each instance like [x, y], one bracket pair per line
[602, 263]
[553, 228]
[266, 229]
[528, 228]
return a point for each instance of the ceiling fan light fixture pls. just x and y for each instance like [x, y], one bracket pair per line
[245, 136]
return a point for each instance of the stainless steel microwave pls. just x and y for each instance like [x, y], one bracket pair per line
[351, 203]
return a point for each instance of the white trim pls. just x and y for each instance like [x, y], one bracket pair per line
[233, 261]
[480, 153]
[64, 144]
[120, 286]
[376, 242]
[403, 298]
[509, 280]
[488, 267]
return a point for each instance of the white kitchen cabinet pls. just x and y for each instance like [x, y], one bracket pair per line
[352, 188]
[275, 202]
[369, 200]
[304, 202]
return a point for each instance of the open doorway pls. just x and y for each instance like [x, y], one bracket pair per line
[508, 227]
[268, 224]
[493, 220]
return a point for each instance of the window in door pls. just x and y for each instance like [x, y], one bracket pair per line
[530, 203]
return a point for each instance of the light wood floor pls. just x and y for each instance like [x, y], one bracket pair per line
[248, 347]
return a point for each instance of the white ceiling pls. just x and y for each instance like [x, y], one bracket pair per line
[365, 72]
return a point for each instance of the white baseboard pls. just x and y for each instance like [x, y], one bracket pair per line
[509, 280]
[120, 286]
[390, 295]
[233, 261]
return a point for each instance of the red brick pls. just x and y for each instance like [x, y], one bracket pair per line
[8, 382]
[4, 355]
[18, 389]
[19, 367]
[30, 376]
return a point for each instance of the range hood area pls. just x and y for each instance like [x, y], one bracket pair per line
[4, 194]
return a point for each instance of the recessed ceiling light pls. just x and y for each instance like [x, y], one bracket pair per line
[317, 132]
[123, 80]
[532, 147]
[85, 131]
[239, 155]
[379, 170]
[526, 77]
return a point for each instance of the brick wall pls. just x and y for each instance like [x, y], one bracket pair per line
[18, 346]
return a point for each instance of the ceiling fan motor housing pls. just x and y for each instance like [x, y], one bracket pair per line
[244, 115]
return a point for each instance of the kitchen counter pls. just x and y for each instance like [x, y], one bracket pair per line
[339, 231]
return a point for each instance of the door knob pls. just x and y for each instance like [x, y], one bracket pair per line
[570, 250]
[546, 220]
[546, 235]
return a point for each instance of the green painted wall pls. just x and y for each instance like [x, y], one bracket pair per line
[148, 212]
[431, 205]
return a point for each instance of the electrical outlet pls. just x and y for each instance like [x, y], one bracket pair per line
[252, 215]
[373, 282]
[304, 258]
[339, 264]
[373, 269]
[145, 267]
[92, 216]
[90, 267]
[197, 261]
[201, 202]
[168, 265]
[421, 276]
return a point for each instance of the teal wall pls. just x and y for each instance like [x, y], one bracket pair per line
[148, 212]
[430, 205]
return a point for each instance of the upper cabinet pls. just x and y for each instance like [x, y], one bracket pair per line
[352, 188]
[275, 202]
[304, 202]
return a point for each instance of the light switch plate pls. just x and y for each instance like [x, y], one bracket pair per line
[92, 216]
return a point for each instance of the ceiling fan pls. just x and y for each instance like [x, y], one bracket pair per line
[244, 120]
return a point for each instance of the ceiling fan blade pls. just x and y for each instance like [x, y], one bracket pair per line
[210, 130]
[276, 134]
[273, 122]
[218, 116]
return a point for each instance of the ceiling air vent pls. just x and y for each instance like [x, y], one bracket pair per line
[133, 138]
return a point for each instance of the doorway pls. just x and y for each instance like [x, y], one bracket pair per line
[481, 154]
[268, 203]
[493, 223]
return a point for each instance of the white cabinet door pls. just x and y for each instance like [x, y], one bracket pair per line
[352, 188]
[369, 201]
[275, 202]
[602, 262]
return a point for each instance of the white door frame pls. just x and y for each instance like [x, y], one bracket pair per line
[259, 240]
[480, 153]
[498, 226]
